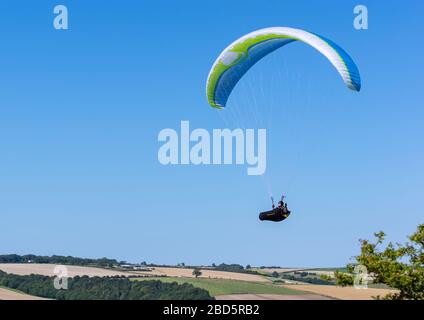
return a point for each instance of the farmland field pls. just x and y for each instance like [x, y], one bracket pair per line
[207, 273]
[347, 293]
[8, 294]
[48, 270]
[218, 287]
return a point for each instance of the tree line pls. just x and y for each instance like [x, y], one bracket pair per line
[66, 260]
[234, 268]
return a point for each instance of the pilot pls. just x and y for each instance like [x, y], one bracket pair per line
[281, 205]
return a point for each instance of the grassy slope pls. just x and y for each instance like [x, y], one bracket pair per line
[223, 287]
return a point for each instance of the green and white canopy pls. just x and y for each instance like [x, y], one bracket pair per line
[243, 53]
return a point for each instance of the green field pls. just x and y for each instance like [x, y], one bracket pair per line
[218, 287]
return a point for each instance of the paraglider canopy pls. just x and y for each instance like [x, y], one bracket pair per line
[243, 53]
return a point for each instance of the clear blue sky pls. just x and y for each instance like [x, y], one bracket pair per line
[80, 111]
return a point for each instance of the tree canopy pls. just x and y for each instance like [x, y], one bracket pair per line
[399, 266]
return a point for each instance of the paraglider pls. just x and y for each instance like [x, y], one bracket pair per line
[277, 214]
[233, 63]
